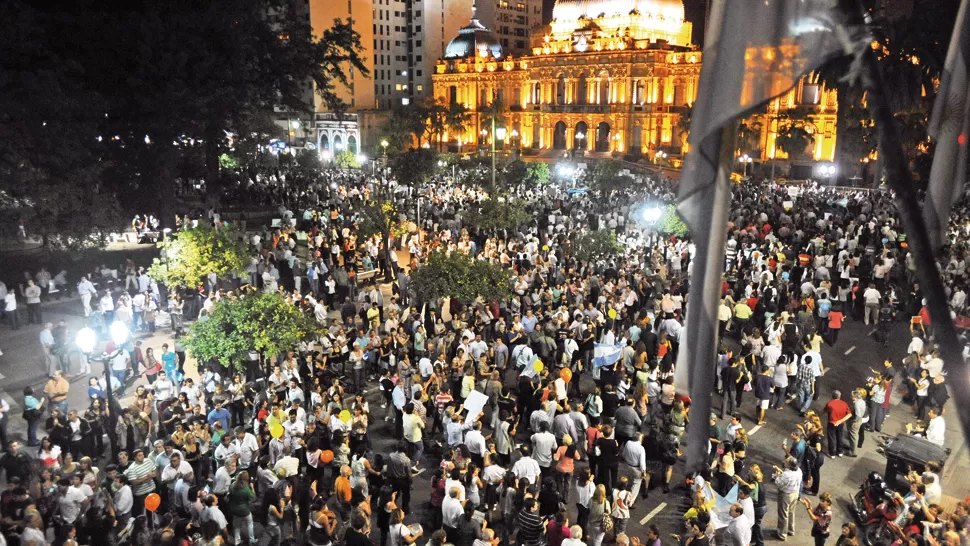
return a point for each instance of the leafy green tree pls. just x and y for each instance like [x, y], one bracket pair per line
[537, 173]
[415, 167]
[459, 276]
[670, 222]
[346, 160]
[594, 245]
[493, 215]
[605, 177]
[262, 322]
[189, 255]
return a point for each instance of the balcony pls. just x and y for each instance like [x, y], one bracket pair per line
[578, 108]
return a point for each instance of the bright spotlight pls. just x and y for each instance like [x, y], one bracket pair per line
[652, 214]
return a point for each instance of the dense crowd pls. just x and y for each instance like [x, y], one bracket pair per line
[544, 418]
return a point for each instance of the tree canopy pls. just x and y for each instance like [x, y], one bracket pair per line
[670, 222]
[492, 214]
[104, 104]
[191, 254]
[262, 322]
[459, 276]
[594, 245]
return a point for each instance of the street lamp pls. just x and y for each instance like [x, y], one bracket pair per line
[515, 135]
[745, 161]
[581, 137]
[659, 157]
[828, 171]
[384, 144]
[86, 339]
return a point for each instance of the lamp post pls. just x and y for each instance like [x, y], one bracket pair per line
[659, 157]
[745, 161]
[581, 137]
[384, 144]
[86, 339]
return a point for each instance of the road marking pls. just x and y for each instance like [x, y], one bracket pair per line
[653, 513]
[756, 428]
[852, 348]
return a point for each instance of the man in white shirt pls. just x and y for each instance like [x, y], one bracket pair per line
[936, 427]
[294, 430]
[86, 289]
[176, 470]
[872, 297]
[247, 447]
[475, 442]
[223, 478]
[288, 464]
[576, 534]
[527, 467]
[123, 500]
[635, 457]
[10, 310]
[738, 531]
[71, 502]
[544, 445]
[452, 512]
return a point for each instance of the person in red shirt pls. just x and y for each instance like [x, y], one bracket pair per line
[835, 324]
[838, 412]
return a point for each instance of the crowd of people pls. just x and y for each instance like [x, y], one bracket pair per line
[544, 418]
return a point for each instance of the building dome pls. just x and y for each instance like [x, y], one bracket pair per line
[571, 10]
[473, 40]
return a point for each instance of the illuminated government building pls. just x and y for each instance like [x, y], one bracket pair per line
[605, 76]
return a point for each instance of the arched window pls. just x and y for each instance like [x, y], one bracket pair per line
[559, 136]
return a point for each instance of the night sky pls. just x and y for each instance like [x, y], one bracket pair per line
[693, 8]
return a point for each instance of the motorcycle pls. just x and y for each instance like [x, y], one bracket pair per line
[876, 507]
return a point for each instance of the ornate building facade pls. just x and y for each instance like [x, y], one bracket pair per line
[606, 76]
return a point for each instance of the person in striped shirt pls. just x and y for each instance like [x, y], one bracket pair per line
[141, 476]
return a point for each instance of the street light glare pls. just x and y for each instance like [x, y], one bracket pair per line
[86, 339]
[361, 158]
[500, 133]
[119, 332]
[651, 214]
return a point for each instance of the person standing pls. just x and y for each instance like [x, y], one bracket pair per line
[789, 483]
[86, 289]
[838, 412]
[241, 497]
[57, 389]
[856, 431]
[47, 347]
[32, 295]
[821, 517]
[10, 309]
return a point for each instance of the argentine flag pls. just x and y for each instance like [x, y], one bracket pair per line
[606, 355]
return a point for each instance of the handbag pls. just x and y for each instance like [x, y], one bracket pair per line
[607, 523]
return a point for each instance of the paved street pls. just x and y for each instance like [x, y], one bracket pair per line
[848, 365]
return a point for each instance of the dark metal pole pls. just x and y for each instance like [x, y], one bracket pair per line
[901, 181]
[109, 392]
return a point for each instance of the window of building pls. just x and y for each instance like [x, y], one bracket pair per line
[405, 101]
[418, 59]
[419, 73]
[417, 13]
[397, 42]
[417, 43]
[417, 28]
[397, 28]
[397, 87]
[520, 44]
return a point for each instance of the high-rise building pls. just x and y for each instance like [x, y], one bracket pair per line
[512, 21]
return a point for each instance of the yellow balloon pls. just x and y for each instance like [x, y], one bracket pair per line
[276, 431]
[611, 313]
[538, 366]
[345, 416]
